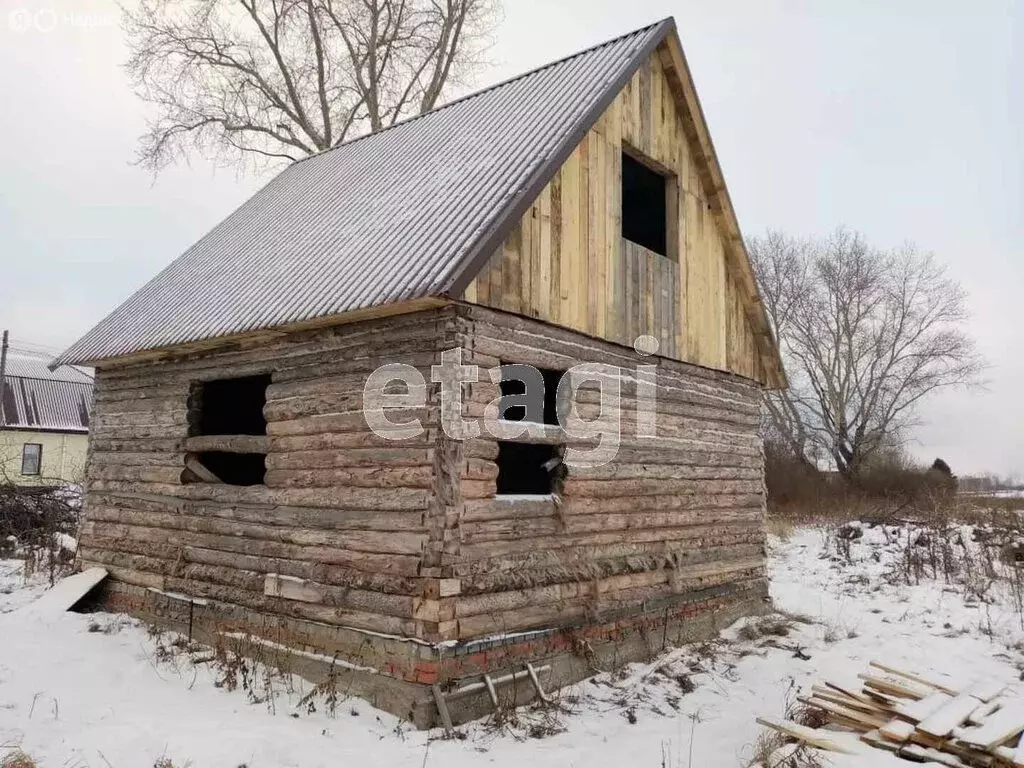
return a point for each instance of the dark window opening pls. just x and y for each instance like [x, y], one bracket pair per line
[227, 407]
[644, 215]
[516, 386]
[235, 468]
[231, 406]
[525, 469]
[31, 458]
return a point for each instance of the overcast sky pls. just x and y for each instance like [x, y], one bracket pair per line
[900, 118]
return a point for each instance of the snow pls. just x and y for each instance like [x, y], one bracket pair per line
[99, 690]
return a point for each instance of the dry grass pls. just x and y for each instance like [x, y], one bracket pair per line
[767, 626]
[17, 759]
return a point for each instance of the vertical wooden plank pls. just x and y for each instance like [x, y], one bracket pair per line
[470, 294]
[618, 286]
[570, 248]
[555, 290]
[628, 294]
[586, 244]
[533, 295]
[644, 107]
[483, 283]
[595, 232]
[526, 261]
[543, 289]
[511, 274]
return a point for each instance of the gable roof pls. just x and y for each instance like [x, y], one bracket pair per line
[36, 398]
[409, 213]
[384, 218]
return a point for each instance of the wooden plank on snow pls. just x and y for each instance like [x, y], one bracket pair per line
[998, 728]
[811, 736]
[949, 716]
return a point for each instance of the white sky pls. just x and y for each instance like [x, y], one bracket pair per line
[900, 119]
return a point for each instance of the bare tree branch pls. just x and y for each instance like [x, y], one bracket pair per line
[272, 80]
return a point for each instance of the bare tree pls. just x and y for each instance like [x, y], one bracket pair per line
[280, 79]
[866, 335]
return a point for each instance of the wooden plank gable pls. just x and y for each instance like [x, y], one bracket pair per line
[567, 263]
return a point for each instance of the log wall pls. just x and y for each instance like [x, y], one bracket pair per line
[355, 531]
[671, 518]
[351, 514]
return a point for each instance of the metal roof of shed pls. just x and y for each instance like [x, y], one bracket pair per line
[35, 398]
[395, 215]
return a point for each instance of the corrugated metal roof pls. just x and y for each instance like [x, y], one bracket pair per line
[388, 217]
[35, 398]
[35, 367]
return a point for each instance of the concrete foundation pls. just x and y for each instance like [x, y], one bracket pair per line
[396, 674]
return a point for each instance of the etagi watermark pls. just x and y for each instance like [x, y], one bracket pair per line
[384, 408]
[46, 20]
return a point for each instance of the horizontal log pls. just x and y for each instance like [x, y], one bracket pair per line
[297, 517]
[400, 606]
[260, 602]
[101, 432]
[697, 535]
[598, 588]
[481, 510]
[228, 444]
[137, 458]
[280, 444]
[355, 421]
[152, 418]
[326, 573]
[143, 474]
[352, 457]
[336, 338]
[512, 529]
[576, 487]
[600, 558]
[358, 477]
[560, 568]
[405, 565]
[383, 542]
[136, 445]
[384, 499]
[622, 471]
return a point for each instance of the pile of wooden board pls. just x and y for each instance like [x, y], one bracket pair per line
[918, 719]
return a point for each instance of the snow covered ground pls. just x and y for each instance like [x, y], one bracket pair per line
[99, 690]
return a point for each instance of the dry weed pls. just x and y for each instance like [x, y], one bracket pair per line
[17, 759]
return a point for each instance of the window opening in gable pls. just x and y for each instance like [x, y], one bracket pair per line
[644, 206]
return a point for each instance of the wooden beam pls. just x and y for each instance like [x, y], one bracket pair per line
[228, 444]
[196, 467]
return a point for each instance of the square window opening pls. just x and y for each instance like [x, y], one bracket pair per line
[231, 406]
[644, 206]
[228, 407]
[546, 407]
[525, 469]
[31, 458]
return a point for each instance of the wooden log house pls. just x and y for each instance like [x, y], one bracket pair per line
[234, 484]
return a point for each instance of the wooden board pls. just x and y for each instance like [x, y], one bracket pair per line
[949, 716]
[63, 595]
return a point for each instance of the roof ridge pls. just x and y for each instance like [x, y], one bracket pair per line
[488, 89]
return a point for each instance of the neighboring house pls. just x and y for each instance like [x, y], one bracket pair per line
[236, 485]
[44, 422]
